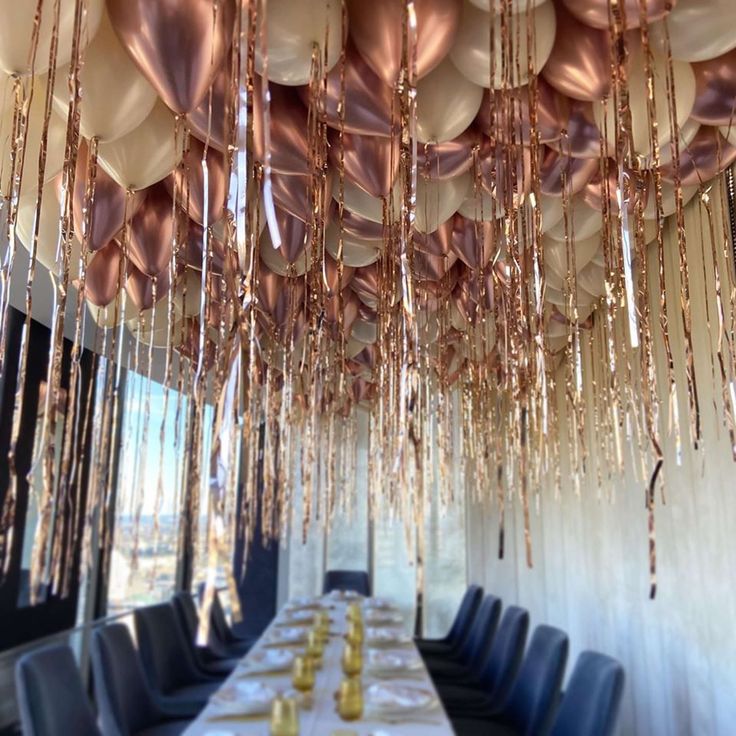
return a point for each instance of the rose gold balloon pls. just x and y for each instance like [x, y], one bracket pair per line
[140, 287]
[377, 31]
[580, 137]
[500, 166]
[474, 243]
[295, 235]
[577, 173]
[291, 193]
[289, 148]
[715, 90]
[431, 267]
[152, 231]
[103, 275]
[358, 226]
[368, 99]
[370, 161]
[438, 243]
[706, 156]
[279, 297]
[593, 192]
[179, 45]
[195, 235]
[108, 209]
[450, 159]
[580, 63]
[595, 12]
[188, 183]
[362, 390]
[367, 282]
[350, 307]
[331, 274]
[210, 118]
[366, 358]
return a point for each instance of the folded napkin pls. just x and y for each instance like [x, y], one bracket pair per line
[267, 660]
[391, 662]
[390, 699]
[287, 635]
[385, 636]
[243, 699]
[381, 616]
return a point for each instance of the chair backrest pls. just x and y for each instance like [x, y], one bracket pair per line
[591, 702]
[51, 696]
[505, 655]
[356, 580]
[464, 616]
[121, 691]
[535, 694]
[474, 649]
[167, 658]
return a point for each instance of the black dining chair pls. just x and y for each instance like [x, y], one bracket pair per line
[127, 706]
[530, 706]
[591, 702]
[473, 652]
[497, 675]
[357, 581]
[178, 685]
[212, 659]
[223, 639]
[51, 696]
[459, 629]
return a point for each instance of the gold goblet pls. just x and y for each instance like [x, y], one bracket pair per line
[352, 659]
[355, 632]
[354, 612]
[350, 699]
[302, 675]
[284, 717]
[315, 647]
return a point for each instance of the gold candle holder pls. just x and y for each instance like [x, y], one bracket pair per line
[352, 659]
[302, 675]
[284, 717]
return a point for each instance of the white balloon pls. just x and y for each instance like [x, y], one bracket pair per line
[447, 104]
[592, 279]
[551, 210]
[357, 200]
[583, 222]
[16, 31]
[684, 84]
[559, 299]
[356, 252]
[145, 155]
[480, 207]
[471, 52]
[698, 29]
[364, 332]
[293, 29]
[437, 201]
[555, 254]
[669, 204]
[117, 98]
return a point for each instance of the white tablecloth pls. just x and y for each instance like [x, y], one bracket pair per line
[322, 719]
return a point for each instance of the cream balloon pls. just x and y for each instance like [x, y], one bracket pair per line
[592, 279]
[117, 98]
[669, 203]
[447, 104]
[145, 155]
[582, 221]
[437, 200]
[684, 85]
[293, 29]
[551, 210]
[187, 293]
[471, 52]
[698, 29]
[364, 332]
[356, 252]
[275, 261]
[55, 142]
[555, 254]
[686, 133]
[729, 132]
[481, 207]
[111, 315]
[357, 200]
[560, 300]
[16, 31]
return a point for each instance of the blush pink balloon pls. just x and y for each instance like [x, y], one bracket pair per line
[179, 45]
[557, 171]
[474, 243]
[595, 13]
[103, 275]
[706, 156]
[715, 91]
[295, 235]
[580, 137]
[357, 226]
[140, 287]
[152, 232]
[449, 159]
[210, 119]
[501, 165]
[371, 162]
[280, 298]
[367, 282]
[331, 275]
[291, 193]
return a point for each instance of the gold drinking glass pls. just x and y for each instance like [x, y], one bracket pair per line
[284, 717]
[350, 699]
[315, 647]
[355, 632]
[352, 659]
[302, 675]
[354, 612]
[323, 624]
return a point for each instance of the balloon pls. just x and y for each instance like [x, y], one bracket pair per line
[357, 226]
[368, 99]
[595, 13]
[16, 32]
[437, 201]
[437, 243]
[367, 284]
[152, 232]
[280, 298]
[117, 98]
[288, 130]
[501, 166]
[715, 90]
[707, 155]
[209, 120]
[729, 132]
[291, 193]
[193, 257]
[112, 314]
[582, 222]
[669, 204]
[103, 275]
[294, 28]
[274, 259]
[593, 192]
[580, 137]
[592, 279]
[684, 85]
[685, 134]
[551, 211]
[699, 29]
[446, 104]
[330, 274]
[108, 208]
[555, 253]
[377, 29]
[557, 173]
[364, 331]
[433, 255]
[140, 287]
[187, 182]
[471, 52]
[350, 306]
[146, 155]
[370, 162]
[179, 45]
[580, 63]
[449, 159]
[356, 252]
[295, 235]
[515, 6]
[361, 203]
[188, 293]
[473, 242]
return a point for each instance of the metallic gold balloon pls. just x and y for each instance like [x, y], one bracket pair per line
[371, 162]
[103, 275]
[595, 13]
[152, 232]
[715, 90]
[377, 30]
[179, 45]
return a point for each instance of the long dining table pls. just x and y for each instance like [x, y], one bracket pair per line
[318, 716]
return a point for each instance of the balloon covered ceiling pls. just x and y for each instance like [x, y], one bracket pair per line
[421, 208]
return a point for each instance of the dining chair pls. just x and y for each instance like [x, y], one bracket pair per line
[127, 706]
[490, 690]
[213, 658]
[50, 694]
[223, 637]
[460, 626]
[355, 580]
[531, 703]
[591, 702]
[473, 651]
[177, 684]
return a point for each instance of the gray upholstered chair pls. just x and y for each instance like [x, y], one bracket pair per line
[127, 706]
[51, 696]
[224, 640]
[355, 580]
[460, 626]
